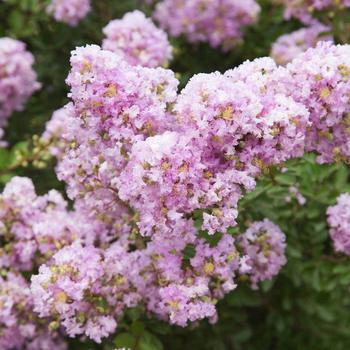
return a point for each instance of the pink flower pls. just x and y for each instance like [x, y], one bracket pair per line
[20, 328]
[69, 11]
[264, 244]
[289, 46]
[17, 77]
[219, 22]
[305, 9]
[338, 217]
[137, 40]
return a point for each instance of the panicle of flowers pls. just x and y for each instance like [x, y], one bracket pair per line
[57, 135]
[190, 275]
[179, 278]
[20, 328]
[338, 217]
[280, 120]
[33, 228]
[166, 177]
[264, 244]
[164, 156]
[304, 10]
[320, 80]
[289, 46]
[216, 143]
[115, 105]
[137, 40]
[84, 289]
[60, 137]
[219, 23]
[246, 117]
[227, 131]
[186, 304]
[69, 11]
[242, 126]
[219, 264]
[17, 77]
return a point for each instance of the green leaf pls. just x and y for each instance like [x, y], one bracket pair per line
[150, 342]
[325, 314]
[5, 158]
[125, 340]
[189, 251]
[137, 328]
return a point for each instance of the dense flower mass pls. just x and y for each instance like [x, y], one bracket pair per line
[218, 22]
[226, 131]
[157, 162]
[147, 166]
[33, 228]
[69, 11]
[20, 328]
[73, 294]
[264, 244]
[321, 81]
[289, 46]
[247, 119]
[339, 223]
[304, 10]
[137, 40]
[86, 289]
[17, 77]
[121, 104]
[133, 142]
[167, 177]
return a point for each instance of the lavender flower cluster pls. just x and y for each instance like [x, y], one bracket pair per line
[18, 80]
[219, 22]
[69, 11]
[304, 9]
[289, 46]
[33, 228]
[86, 280]
[264, 244]
[20, 327]
[137, 40]
[339, 223]
[321, 82]
[90, 301]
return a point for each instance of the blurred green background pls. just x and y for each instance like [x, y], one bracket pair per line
[308, 305]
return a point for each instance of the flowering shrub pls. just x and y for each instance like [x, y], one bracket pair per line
[114, 166]
[200, 206]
